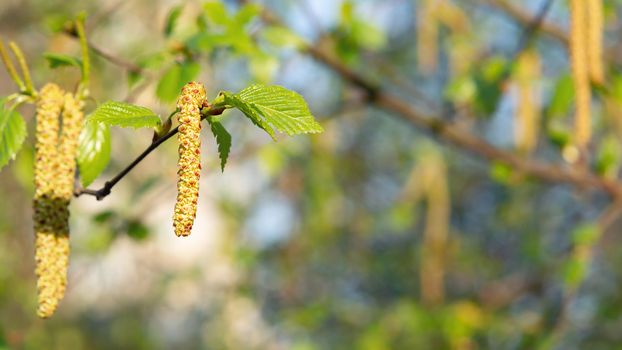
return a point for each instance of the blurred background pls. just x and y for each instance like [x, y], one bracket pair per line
[371, 235]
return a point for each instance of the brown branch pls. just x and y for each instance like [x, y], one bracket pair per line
[453, 134]
[101, 193]
[526, 19]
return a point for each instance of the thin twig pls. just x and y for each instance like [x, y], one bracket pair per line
[525, 18]
[108, 185]
[118, 61]
[533, 27]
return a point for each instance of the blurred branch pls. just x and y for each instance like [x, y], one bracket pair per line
[526, 19]
[107, 188]
[455, 135]
[533, 27]
[129, 66]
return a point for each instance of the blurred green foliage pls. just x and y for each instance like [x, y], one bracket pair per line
[317, 242]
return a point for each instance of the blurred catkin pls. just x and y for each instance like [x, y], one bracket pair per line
[580, 71]
[436, 233]
[50, 211]
[427, 36]
[595, 25]
[189, 166]
[527, 118]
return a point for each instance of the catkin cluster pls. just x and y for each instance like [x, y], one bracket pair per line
[189, 166]
[55, 152]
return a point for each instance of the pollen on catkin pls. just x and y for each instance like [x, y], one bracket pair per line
[73, 120]
[580, 72]
[189, 166]
[50, 211]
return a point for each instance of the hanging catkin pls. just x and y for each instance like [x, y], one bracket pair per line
[73, 119]
[595, 25]
[434, 249]
[189, 165]
[50, 211]
[580, 71]
[427, 36]
[527, 116]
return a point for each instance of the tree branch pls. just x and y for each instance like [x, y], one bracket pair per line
[526, 19]
[107, 188]
[453, 134]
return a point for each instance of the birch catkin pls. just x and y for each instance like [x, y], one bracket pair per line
[580, 71]
[50, 212]
[527, 114]
[189, 104]
[427, 36]
[595, 27]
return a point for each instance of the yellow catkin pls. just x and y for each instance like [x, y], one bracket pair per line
[189, 166]
[51, 241]
[73, 120]
[433, 259]
[427, 36]
[595, 25]
[580, 72]
[527, 116]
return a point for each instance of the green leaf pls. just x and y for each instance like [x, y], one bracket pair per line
[246, 14]
[574, 271]
[12, 134]
[171, 19]
[586, 234]
[175, 78]
[249, 112]
[275, 106]
[137, 230]
[125, 115]
[281, 36]
[216, 12]
[56, 60]
[563, 97]
[263, 67]
[223, 139]
[93, 151]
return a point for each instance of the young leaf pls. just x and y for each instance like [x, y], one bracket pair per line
[12, 134]
[275, 106]
[235, 101]
[282, 37]
[171, 19]
[216, 12]
[223, 139]
[56, 60]
[93, 151]
[563, 97]
[125, 115]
